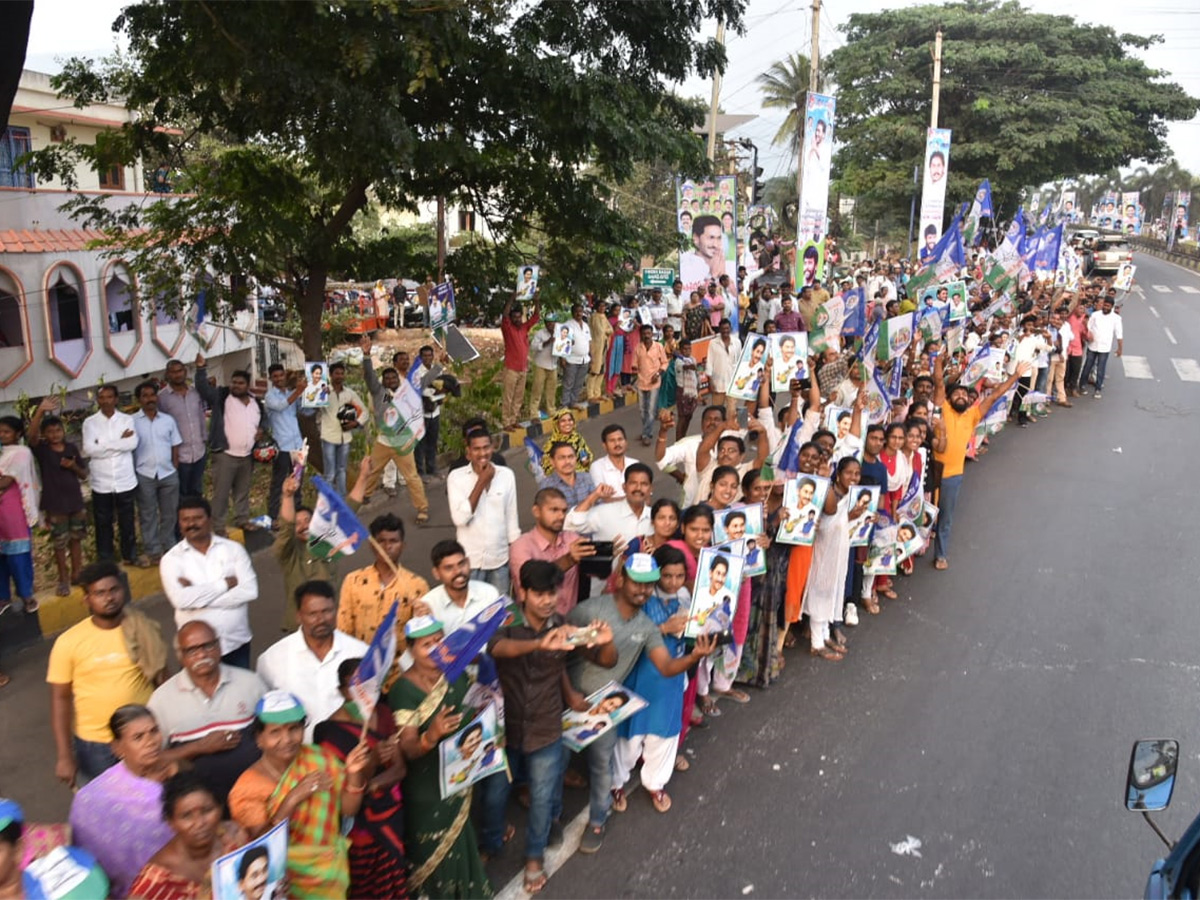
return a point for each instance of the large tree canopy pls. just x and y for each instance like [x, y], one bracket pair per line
[524, 110]
[1030, 98]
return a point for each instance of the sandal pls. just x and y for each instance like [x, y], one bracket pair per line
[619, 801]
[735, 695]
[63, 589]
[789, 640]
[661, 801]
[422, 519]
[835, 646]
[826, 654]
[510, 831]
[534, 880]
[889, 593]
[708, 706]
[871, 606]
[941, 563]
[681, 763]
[32, 606]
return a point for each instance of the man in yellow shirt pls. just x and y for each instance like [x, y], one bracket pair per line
[961, 419]
[114, 657]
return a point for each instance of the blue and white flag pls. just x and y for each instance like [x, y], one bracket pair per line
[895, 383]
[866, 353]
[335, 530]
[459, 648]
[366, 684]
[1045, 262]
[945, 261]
[789, 455]
[981, 206]
[855, 319]
[533, 454]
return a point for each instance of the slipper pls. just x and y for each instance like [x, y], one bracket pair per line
[64, 589]
[871, 606]
[661, 801]
[510, 831]
[790, 640]
[889, 593]
[826, 653]
[681, 763]
[534, 881]
[32, 605]
[4, 680]
[422, 518]
[619, 801]
[735, 695]
[708, 706]
[941, 564]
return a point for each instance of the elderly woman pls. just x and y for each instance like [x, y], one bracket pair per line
[378, 864]
[306, 786]
[118, 816]
[438, 833]
[182, 869]
[564, 432]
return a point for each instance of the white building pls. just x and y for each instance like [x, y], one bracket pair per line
[69, 316]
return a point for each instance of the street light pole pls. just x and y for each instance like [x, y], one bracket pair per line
[716, 96]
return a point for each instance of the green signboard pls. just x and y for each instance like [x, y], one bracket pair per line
[658, 278]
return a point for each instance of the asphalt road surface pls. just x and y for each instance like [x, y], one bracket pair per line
[974, 742]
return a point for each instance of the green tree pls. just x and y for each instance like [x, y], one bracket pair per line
[783, 86]
[525, 110]
[1030, 97]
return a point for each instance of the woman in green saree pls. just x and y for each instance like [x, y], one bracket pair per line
[439, 838]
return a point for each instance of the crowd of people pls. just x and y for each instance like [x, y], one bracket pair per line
[625, 577]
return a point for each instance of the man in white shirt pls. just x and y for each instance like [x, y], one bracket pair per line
[1103, 329]
[206, 576]
[109, 440]
[769, 306]
[456, 599]
[675, 304]
[618, 520]
[1031, 344]
[483, 507]
[1061, 334]
[156, 460]
[305, 663]
[610, 468]
[723, 353]
[575, 376]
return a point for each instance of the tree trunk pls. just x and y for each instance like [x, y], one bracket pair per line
[311, 307]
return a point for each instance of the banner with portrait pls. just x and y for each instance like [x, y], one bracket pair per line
[707, 218]
[1066, 207]
[933, 190]
[1130, 219]
[751, 367]
[257, 869]
[816, 156]
[472, 753]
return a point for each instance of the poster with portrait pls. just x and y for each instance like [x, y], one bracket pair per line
[838, 419]
[743, 522]
[881, 556]
[607, 708]
[715, 592]
[909, 541]
[255, 871]
[442, 308]
[810, 262]
[803, 498]
[527, 282]
[864, 498]
[471, 753]
[933, 189]
[1066, 209]
[751, 368]
[1124, 279]
[927, 520]
[895, 334]
[707, 215]
[316, 386]
[817, 152]
[956, 295]
[789, 358]
[564, 341]
[1130, 221]
[627, 319]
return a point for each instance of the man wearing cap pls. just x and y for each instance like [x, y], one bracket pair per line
[44, 877]
[633, 632]
[305, 662]
[207, 710]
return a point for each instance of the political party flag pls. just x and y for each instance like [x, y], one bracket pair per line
[459, 648]
[895, 383]
[855, 320]
[533, 455]
[1045, 261]
[895, 334]
[977, 367]
[789, 455]
[945, 261]
[878, 401]
[366, 684]
[403, 422]
[1006, 260]
[334, 530]
[981, 206]
[866, 353]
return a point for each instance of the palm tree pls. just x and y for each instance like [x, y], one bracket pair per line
[783, 86]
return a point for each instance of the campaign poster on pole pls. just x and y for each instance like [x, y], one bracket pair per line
[442, 309]
[820, 112]
[1130, 220]
[1066, 211]
[707, 216]
[933, 190]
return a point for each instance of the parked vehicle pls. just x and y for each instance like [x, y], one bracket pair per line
[1148, 788]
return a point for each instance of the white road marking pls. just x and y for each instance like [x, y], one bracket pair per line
[1188, 289]
[1170, 337]
[1162, 288]
[1186, 369]
[1137, 367]
[1154, 312]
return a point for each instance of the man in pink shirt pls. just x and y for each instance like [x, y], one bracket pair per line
[515, 332]
[649, 361]
[547, 541]
[1077, 322]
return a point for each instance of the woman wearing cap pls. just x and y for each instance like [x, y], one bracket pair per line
[78, 869]
[439, 836]
[182, 869]
[378, 863]
[306, 786]
[564, 432]
[117, 817]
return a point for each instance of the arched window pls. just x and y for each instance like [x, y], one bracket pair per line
[123, 320]
[67, 318]
[16, 354]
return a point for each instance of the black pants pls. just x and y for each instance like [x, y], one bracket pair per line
[239, 656]
[1074, 367]
[281, 468]
[427, 448]
[106, 507]
[1023, 385]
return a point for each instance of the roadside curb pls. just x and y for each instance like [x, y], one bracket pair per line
[1180, 259]
[514, 438]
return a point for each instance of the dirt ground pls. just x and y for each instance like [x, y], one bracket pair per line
[487, 341]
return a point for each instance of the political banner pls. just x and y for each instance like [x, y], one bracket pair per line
[442, 308]
[403, 421]
[748, 374]
[607, 708]
[334, 529]
[945, 260]
[256, 869]
[814, 165]
[714, 592]
[707, 213]
[933, 190]
[1130, 218]
[472, 753]
[658, 278]
[316, 386]
[458, 649]
[527, 282]
[366, 684]
[864, 500]
[803, 498]
[1124, 278]
[956, 295]
[1045, 259]
[1106, 213]
[1066, 207]
[789, 358]
[810, 263]
[895, 334]
[1178, 218]
[1006, 259]
[743, 522]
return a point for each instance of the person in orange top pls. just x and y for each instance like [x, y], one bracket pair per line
[960, 419]
[649, 361]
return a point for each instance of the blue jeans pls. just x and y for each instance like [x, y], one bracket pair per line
[16, 569]
[191, 484]
[92, 759]
[599, 758]
[648, 406]
[335, 458]
[542, 770]
[1043, 376]
[947, 500]
[158, 509]
[1099, 361]
[499, 578]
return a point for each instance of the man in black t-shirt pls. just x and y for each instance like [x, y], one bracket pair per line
[62, 468]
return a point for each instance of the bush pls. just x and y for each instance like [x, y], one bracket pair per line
[482, 395]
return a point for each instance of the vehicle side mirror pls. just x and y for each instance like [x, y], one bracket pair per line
[1151, 779]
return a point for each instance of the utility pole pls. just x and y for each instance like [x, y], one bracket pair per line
[937, 78]
[716, 95]
[441, 238]
[814, 56]
[814, 53]
[912, 209]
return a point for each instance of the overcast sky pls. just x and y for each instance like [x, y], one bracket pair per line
[64, 28]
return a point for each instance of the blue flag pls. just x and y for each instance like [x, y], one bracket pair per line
[366, 684]
[460, 647]
[1046, 260]
[867, 350]
[947, 258]
[855, 319]
[534, 455]
[789, 456]
[334, 530]
[897, 379]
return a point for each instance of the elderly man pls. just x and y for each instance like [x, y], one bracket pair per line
[306, 662]
[109, 440]
[206, 576]
[207, 710]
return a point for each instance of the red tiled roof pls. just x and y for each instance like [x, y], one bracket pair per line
[51, 240]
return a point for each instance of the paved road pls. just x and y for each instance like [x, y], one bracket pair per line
[988, 714]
